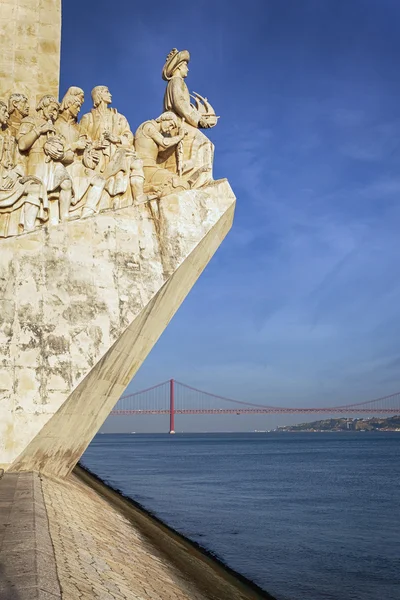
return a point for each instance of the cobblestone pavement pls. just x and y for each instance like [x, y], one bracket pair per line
[27, 565]
[100, 555]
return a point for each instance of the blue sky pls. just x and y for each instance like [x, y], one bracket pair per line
[301, 304]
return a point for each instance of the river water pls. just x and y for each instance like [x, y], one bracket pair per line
[305, 516]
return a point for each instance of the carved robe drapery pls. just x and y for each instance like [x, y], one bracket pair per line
[81, 176]
[177, 100]
[198, 151]
[38, 164]
[96, 122]
[114, 164]
[148, 143]
[25, 201]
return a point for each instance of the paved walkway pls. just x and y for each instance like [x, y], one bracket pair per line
[27, 565]
[61, 540]
[100, 555]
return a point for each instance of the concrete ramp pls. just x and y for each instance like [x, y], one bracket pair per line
[82, 304]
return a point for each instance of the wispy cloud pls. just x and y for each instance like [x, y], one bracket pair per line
[301, 302]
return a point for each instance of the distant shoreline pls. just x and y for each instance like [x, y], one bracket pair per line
[248, 432]
[336, 431]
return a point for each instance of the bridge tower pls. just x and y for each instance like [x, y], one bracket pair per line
[172, 406]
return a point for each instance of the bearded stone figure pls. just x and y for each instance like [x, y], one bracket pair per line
[56, 168]
[107, 233]
[47, 156]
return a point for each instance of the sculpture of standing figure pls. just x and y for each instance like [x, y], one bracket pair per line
[83, 156]
[112, 137]
[18, 108]
[198, 151]
[23, 201]
[38, 136]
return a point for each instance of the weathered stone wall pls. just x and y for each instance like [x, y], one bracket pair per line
[81, 305]
[30, 43]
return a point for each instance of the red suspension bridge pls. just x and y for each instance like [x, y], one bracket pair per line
[175, 398]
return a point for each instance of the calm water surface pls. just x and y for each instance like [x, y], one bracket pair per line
[305, 516]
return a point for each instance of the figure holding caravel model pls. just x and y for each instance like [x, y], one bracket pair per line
[82, 168]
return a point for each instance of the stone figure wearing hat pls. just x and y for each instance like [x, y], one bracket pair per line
[198, 151]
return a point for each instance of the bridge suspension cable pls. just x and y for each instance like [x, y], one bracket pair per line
[176, 398]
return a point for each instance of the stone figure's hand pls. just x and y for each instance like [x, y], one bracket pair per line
[55, 153]
[95, 156]
[9, 181]
[131, 152]
[182, 132]
[111, 137]
[80, 145]
[91, 157]
[47, 127]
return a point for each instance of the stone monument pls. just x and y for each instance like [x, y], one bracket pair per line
[103, 232]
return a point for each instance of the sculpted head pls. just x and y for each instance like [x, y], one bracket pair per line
[100, 94]
[18, 103]
[176, 64]
[4, 114]
[181, 70]
[49, 107]
[72, 101]
[168, 121]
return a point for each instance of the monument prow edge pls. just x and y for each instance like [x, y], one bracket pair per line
[101, 292]
[103, 232]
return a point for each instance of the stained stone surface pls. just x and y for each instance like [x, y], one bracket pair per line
[102, 235]
[81, 305]
[30, 47]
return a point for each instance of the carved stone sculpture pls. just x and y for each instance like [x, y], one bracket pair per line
[151, 138]
[18, 108]
[22, 199]
[111, 135]
[197, 151]
[94, 165]
[115, 232]
[88, 185]
[46, 152]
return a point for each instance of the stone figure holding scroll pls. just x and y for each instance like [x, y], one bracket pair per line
[198, 151]
[23, 202]
[47, 153]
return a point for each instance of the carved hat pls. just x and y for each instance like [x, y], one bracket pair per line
[174, 59]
